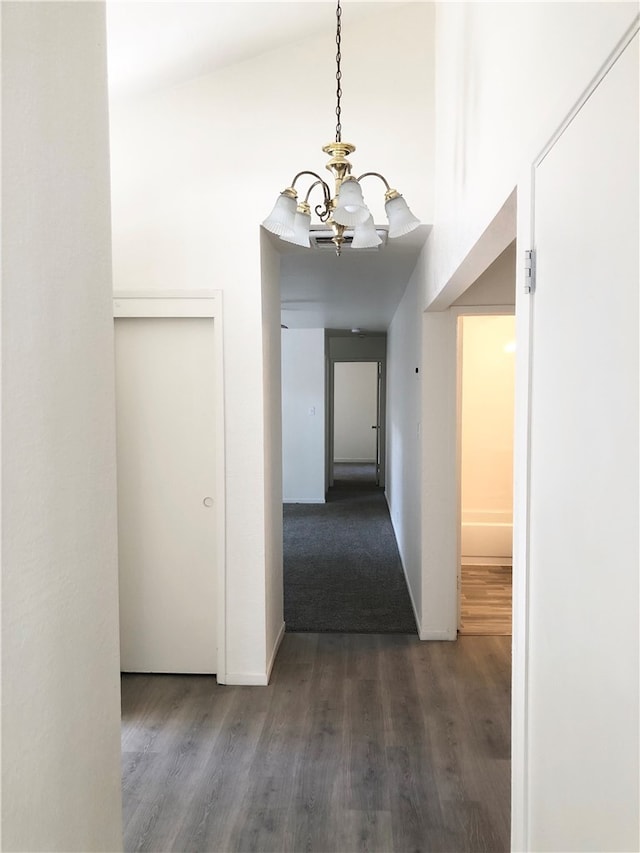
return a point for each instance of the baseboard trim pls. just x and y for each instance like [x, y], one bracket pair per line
[411, 599]
[247, 679]
[257, 679]
[404, 570]
[486, 561]
[440, 634]
[437, 634]
[274, 652]
[355, 461]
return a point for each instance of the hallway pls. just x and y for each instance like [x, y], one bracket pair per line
[361, 742]
[342, 569]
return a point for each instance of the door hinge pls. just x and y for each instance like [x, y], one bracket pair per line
[529, 271]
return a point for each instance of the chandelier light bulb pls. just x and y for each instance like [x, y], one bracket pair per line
[301, 227]
[401, 220]
[351, 209]
[282, 218]
[365, 236]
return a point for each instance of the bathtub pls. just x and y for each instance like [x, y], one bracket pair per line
[486, 533]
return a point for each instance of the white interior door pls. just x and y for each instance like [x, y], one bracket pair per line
[355, 411]
[166, 420]
[583, 511]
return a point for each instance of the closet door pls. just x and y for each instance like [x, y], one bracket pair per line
[166, 430]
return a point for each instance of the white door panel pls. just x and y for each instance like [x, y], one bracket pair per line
[165, 377]
[583, 551]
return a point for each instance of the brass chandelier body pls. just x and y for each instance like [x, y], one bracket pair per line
[345, 208]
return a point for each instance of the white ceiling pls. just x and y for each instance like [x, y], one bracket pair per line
[152, 45]
[360, 289]
[155, 45]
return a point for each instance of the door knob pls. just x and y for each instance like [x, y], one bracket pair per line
[207, 502]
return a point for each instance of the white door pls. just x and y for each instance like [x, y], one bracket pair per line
[583, 541]
[166, 420]
[355, 411]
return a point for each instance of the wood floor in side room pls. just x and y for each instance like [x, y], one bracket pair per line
[362, 742]
[485, 600]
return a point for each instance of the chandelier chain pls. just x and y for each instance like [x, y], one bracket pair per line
[338, 72]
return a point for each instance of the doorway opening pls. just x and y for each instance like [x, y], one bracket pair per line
[341, 564]
[486, 373]
[356, 422]
[355, 411]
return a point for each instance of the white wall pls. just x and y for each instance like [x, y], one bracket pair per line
[404, 400]
[178, 154]
[273, 588]
[60, 668]
[303, 410]
[494, 113]
[439, 477]
[495, 110]
[496, 285]
[355, 401]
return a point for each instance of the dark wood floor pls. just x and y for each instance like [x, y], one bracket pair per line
[360, 743]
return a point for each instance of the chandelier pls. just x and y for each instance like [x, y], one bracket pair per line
[290, 218]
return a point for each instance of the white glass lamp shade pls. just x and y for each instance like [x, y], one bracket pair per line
[365, 236]
[281, 219]
[350, 209]
[301, 226]
[401, 220]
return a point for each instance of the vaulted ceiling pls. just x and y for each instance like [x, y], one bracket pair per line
[156, 45]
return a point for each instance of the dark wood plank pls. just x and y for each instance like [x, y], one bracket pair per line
[485, 600]
[360, 743]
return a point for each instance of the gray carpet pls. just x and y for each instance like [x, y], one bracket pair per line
[342, 570]
[345, 473]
